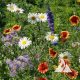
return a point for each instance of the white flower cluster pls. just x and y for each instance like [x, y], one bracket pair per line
[14, 8]
[37, 17]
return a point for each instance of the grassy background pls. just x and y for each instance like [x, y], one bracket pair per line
[62, 10]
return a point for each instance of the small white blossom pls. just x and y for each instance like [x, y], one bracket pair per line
[24, 42]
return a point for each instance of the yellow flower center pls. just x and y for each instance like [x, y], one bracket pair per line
[42, 16]
[12, 8]
[51, 37]
[33, 17]
[24, 42]
[65, 57]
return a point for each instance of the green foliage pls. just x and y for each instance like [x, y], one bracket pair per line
[62, 10]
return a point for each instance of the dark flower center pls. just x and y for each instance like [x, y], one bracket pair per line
[16, 27]
[72, 73]
[74, 19]
[7, 31]
[53, 53]
[33, 18]
[64, 34]
[43, 67]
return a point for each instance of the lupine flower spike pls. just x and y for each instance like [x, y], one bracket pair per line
[50, 19]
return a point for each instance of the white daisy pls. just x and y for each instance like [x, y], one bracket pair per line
[20, 10]
[65, 55]
[12, 7]
[33, 18]
[52, 37]
[24, 42]
[42, 17]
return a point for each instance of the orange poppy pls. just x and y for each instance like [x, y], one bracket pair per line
[73, 74]
[64, 35]
[74, 20]
[43, 67]
[7, 31]
[42, 79]
[16, 28]
[52, 53]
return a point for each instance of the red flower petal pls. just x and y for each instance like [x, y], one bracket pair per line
[73, 74]
[16, 28]
[74, 20]
[43, 67]
[52, 53]
[7, 31]
[42, 78]
[64, 35]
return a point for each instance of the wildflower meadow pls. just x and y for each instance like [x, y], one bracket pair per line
[39, 39]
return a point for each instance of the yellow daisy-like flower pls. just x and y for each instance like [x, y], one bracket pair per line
[24, 42]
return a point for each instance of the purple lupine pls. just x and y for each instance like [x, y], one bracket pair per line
[50, 19]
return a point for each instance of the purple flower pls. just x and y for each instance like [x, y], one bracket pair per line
[55, 43]
[8, 44]
[10, 39]
[13, 73]
[14, 34]
[19, 64]
[24, 58]
[50, 19]
[6, 38]
[13, 67]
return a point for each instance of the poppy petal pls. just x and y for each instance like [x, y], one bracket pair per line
[52, 53]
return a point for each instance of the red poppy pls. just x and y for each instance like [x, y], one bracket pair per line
[64, 35]
[42, 79]
[73, 74]
[16, 28]
[7, 31]
[43, 67]
[74, 20]
[52, 53]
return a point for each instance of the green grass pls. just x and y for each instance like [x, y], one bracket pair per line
[62, 10]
